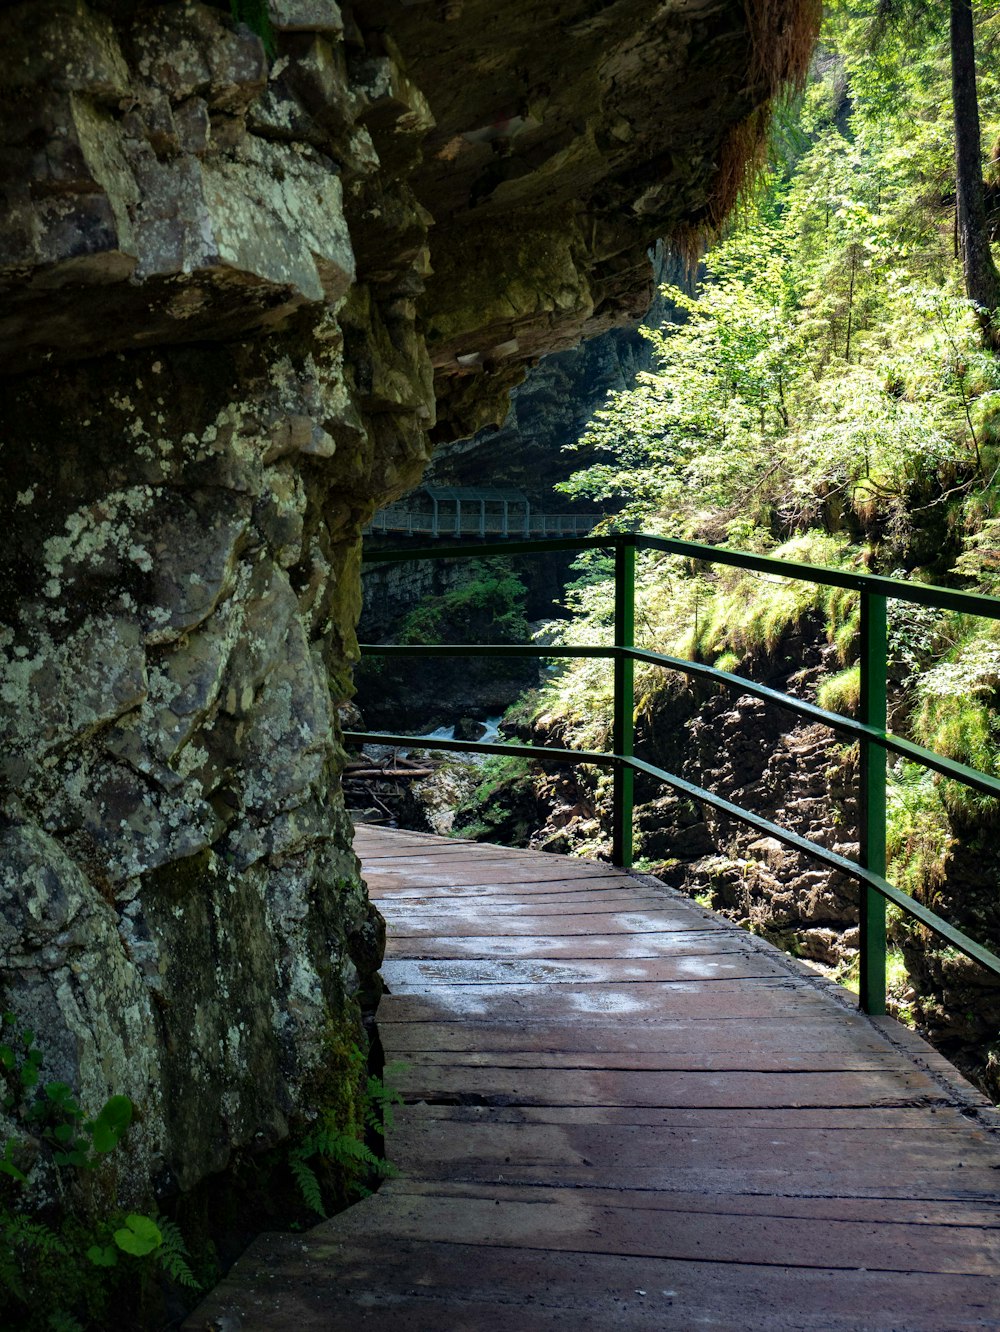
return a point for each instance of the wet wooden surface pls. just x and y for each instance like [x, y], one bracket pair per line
[624, 1113]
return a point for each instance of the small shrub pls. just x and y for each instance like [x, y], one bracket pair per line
[918, 832]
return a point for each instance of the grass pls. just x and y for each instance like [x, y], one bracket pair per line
[898, 986]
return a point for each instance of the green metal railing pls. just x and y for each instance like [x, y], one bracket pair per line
[869, 729]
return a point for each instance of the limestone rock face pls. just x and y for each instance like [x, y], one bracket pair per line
[240, 292]
[553, 408]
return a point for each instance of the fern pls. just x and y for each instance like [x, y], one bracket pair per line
[308, 1182]
[22, 1231]
[336, 1148]
[26, 1246]
[380, 1101]
[173, 1255]
[11, 1282]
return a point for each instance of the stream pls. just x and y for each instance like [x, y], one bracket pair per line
[491, 736]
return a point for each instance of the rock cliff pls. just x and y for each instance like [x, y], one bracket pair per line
[551, 410]
[243, 292]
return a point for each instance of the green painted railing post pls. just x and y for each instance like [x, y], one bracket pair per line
[624, 737]
[873, 802]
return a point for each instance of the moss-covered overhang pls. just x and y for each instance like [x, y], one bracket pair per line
[497, 170]
[567, 138]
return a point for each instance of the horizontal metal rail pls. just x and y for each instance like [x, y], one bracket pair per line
[598, 758]
[895, 744]
[871, 732]
[406, 522]
[923, 594]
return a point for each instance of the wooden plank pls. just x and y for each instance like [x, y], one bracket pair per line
[674, 1087]
[754, 1035]
[336, 1282]
[467, 920]
[548, 896]
[653, 1208]
[412, 976]
[531, 898]
[842, 1233]
[651, 943]
[931, 1166]
[484, 871]
[625, 1114]
[637, 1002]
[854, 1120]
[450, 901]
[423, 1140]
[699, 1061]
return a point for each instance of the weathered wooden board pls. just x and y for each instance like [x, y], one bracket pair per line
[654, 943]
[337, 1283]
[755, 1038]
[633, 1003]
[623, 1113]
[793, 1162]
[414, 976]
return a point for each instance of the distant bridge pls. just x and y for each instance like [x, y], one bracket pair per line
[471, 511]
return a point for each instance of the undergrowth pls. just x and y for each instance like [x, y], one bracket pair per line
[72, 1258]
[343, 1152]
[69, 1253]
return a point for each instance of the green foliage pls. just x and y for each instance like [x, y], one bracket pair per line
[748, 614]
[487, 607]
[829, 369]
[918, 832]
[138, 1236]
[338, 1149]
[496, 772]
[50, 1110]
[841, 692]
[254, 13]
[898, 991]
[56, 1271]
[957, 716]
[504, 806]
[825, 396]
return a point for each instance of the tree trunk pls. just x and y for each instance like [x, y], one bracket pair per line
[982, 281]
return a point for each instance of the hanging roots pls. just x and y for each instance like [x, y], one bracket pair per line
[782, 35]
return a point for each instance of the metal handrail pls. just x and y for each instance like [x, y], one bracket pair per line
[874, 739]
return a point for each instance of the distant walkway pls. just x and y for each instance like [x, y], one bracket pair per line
[627, 1114]
[474, 511]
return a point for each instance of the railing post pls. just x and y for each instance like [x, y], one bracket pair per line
[624, 731]
[873, 801]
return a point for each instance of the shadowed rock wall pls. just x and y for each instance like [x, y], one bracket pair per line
[238, 297]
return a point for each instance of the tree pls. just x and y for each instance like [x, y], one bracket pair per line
[911, 22]
[982, 281]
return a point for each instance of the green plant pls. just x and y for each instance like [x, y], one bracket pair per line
[65, 1263]
[343, 1148]
[918, 831]
[50, 1110]
[254, 13]
[841, 692]
[956, 715]
[487, 606]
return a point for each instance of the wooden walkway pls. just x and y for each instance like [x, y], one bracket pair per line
[625, 1113]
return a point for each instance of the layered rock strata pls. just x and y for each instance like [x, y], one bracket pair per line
[242, 292]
